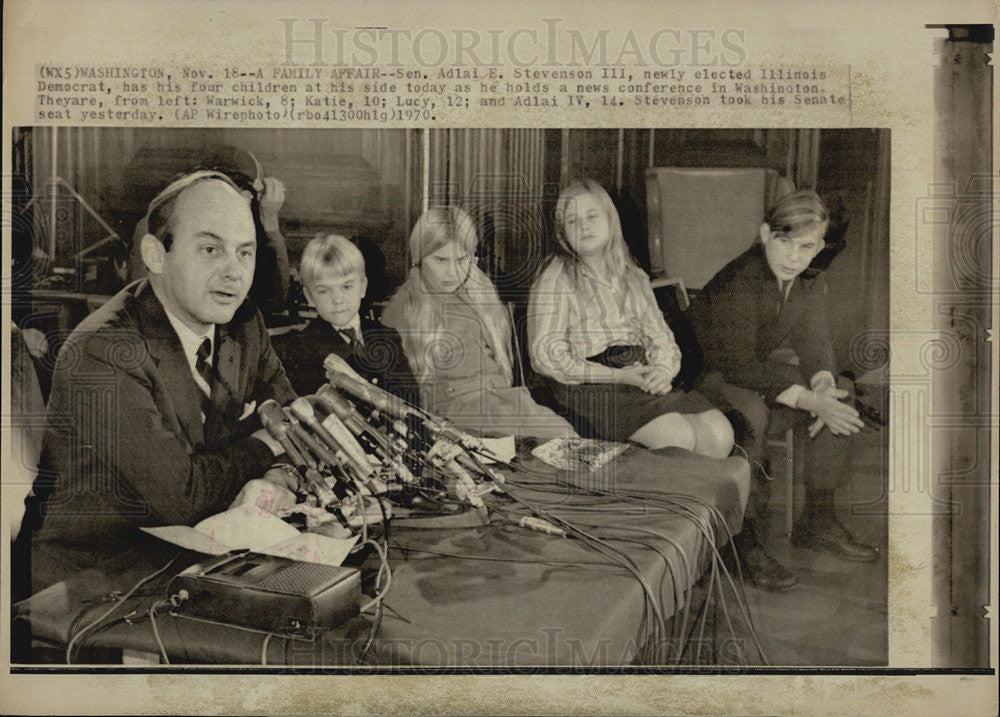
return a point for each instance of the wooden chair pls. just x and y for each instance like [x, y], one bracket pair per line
[700, 219]
[786, 442]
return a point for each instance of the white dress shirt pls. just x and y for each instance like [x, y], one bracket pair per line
[190, 342]
[355, 324]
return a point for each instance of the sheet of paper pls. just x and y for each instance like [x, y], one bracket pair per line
[189, 539]
[313, 548]
[246, 526]
[502, 448]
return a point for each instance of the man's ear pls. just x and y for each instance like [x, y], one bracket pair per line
[764, 233]
[308, 295]
[364, 285]
[153, 254]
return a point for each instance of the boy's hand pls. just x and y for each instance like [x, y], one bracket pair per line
[840, 418]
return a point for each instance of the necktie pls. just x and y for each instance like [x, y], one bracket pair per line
[203, 365]
[783, 289]
[351, 334]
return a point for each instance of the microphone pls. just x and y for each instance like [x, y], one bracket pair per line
[442, 429]
[273, 418]
[381, 446]
[281, 428]
[343, 437]
[338, 373]
[465, 486]
[332, 501]
[342, 409]
[303, 411]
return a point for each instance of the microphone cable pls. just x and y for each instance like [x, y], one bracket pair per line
[79, 634]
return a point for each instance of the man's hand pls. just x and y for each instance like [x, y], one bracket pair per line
[270, 493]
[839, 417]
[271, 201]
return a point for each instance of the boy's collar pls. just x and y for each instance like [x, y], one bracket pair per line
[354, 323]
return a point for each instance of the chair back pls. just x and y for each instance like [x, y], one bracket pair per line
[700, 219]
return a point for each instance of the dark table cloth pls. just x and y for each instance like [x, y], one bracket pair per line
[494, 595]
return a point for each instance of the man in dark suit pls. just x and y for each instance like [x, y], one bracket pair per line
[332, 272]
[756, 304]
[151, 419]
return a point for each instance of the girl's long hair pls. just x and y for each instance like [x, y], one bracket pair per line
[620, 262]
[420, 314]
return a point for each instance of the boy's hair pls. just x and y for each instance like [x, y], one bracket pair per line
[797, 212]
[332, 253]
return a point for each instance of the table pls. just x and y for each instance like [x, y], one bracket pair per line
[494, 595]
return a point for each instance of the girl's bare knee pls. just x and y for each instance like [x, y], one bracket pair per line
[670, 430]
[723, 430]
[714, 433]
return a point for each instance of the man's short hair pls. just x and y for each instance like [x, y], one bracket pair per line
[161, 209]
[332, 253]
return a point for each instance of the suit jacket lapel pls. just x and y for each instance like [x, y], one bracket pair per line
[367, 327]
[175, 372]
[225, 404]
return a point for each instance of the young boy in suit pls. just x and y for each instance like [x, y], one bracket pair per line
[761, 301]
[332, 272]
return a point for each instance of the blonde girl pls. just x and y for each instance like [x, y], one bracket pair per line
[456, 334]
[596, 332]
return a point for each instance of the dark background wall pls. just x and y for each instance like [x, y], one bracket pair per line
[373, 184]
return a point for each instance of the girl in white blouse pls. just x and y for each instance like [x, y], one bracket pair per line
[596, 332]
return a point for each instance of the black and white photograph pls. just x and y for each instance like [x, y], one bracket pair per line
[660, 336]
[499, 358]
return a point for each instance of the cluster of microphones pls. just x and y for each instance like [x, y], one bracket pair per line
[351, 438]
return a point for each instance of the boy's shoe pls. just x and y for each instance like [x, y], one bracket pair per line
[764, 571]
[828, 534]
